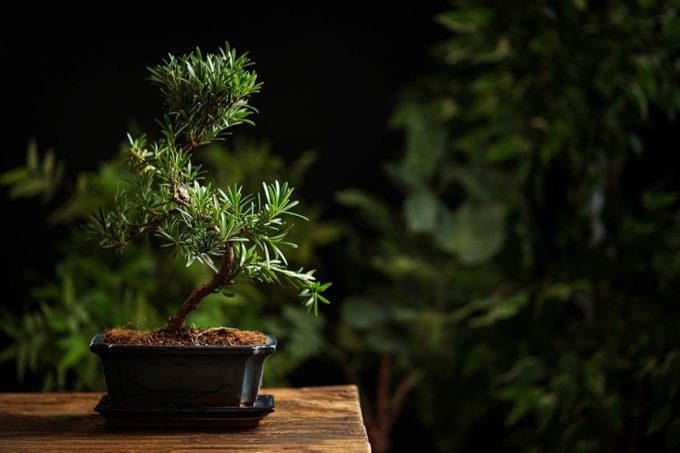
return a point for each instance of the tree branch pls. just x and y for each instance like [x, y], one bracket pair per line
[387, 407]
[399, 398]
[381, 404]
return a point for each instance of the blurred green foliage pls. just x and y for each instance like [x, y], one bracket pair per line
[530, 280]
[95, 289]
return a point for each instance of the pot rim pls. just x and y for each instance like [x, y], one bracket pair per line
[97, 345]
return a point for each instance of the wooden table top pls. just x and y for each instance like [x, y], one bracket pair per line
[318, 419]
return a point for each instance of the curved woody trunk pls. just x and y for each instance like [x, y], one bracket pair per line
[220, 279]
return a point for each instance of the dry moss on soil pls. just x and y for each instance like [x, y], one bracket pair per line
[188, 336]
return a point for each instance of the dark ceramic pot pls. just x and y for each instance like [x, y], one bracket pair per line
[182, 376]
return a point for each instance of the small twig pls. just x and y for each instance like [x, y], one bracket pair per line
[189, 147]
[178, 200]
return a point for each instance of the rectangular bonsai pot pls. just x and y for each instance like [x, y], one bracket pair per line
[182, 376]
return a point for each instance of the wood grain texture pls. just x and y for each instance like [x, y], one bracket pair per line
[314, 419]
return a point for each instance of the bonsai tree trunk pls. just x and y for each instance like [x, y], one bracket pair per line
[220, 279]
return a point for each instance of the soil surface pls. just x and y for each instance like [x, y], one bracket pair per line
[188, 336]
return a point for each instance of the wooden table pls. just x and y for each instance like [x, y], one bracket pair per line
[314, 419]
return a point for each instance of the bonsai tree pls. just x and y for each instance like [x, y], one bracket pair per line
[239, 236]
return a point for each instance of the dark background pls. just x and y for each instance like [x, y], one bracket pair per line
[330, 73]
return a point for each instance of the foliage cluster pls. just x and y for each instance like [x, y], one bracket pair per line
[529, 281]
[204, 96]
[93, 288]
